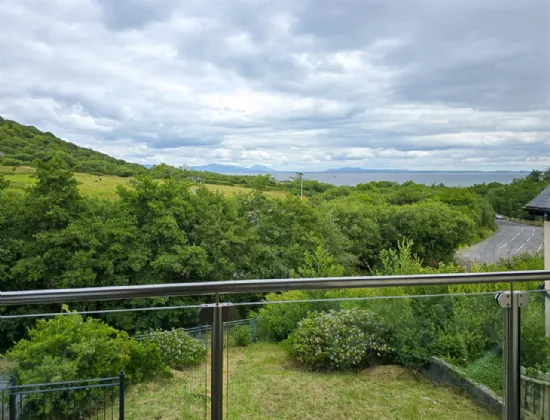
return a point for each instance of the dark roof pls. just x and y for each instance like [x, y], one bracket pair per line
[541, 203]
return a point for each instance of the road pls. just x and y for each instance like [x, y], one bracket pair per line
[510, 239]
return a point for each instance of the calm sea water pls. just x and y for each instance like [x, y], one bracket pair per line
[452, 179]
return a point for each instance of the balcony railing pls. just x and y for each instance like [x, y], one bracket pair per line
[511, 301]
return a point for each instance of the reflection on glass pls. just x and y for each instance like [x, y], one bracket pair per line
[535, 358]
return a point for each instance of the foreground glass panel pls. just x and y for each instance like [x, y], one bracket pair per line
[373, 357]
[534, 358]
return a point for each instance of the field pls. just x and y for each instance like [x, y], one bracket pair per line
[105, 186]
[263, 383]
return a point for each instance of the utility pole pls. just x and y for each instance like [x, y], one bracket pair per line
[300, 175]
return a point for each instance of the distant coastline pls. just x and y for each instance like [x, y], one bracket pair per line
[450, 179]
[258, 169]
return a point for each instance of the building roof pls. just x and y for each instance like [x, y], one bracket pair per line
[541, 203]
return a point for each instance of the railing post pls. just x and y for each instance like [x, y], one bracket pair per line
[13, 399]
[199, 334]
[215, 315]
[512, 302]
[121, 396]
[254, 330]
[217, 364]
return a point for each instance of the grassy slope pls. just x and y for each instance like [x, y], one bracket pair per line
[263, 383]
[106, 187]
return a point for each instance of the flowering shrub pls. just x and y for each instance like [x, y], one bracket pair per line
[177, 348]
[339, 340]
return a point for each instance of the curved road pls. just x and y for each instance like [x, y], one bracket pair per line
[510, 239]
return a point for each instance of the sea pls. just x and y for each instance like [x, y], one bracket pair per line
[451, 179]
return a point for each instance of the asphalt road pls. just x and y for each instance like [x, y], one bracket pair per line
[510, 239]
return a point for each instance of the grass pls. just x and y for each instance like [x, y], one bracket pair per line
[105, 186]
[486, 370]
[263, 383]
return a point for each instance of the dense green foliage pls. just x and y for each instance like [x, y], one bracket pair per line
[509, 199]
[69, 348]
[177, 348]
[450, 325]
[241, 335]
[24, 145]
[340, 340]
[164, 232]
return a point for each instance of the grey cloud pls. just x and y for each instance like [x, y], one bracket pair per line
[132, 14]
[269, 82]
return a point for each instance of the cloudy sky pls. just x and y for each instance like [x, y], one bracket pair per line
[292, 84]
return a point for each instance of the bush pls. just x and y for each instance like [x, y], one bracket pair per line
[177, 348]
[487, 370]
[11, 162]
[339, 340]
[535, 349]
[281, 319]
[242, 335]
[70, 348]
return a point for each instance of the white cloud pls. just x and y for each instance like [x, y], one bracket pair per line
[419, 83]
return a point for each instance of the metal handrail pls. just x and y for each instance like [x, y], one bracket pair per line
[251, 286]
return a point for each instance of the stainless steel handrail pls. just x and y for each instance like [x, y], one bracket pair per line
[251, 286]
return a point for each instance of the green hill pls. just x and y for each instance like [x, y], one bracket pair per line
[24, 145]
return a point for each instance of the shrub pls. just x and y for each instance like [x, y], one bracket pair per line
[11, 162]
[242, 335]
[487, 370]
[69, 348]
[339, 340]
[535, 349]
[177, 348]
[281, 319]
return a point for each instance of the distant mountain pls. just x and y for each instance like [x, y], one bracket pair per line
[233, 169]
[261, 168]
[352, 169]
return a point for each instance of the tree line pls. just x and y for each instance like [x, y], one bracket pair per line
[509, 199]
[164, 231]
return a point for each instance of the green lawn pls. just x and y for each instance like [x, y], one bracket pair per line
[105, 186]
[263, 383]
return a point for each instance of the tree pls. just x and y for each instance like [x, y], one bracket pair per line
[4, 183]
[54, 200]
[535, 175]
[262, 182]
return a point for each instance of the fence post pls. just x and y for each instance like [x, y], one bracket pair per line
[121, 396]
[13, 399]
[199, 334]
[254, 330]
[511, 302]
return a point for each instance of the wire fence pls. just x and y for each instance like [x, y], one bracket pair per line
[252, 328]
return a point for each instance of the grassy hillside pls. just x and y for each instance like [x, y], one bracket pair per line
[22, 145]
[104, 186]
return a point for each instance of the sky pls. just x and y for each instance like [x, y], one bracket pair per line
[290, 84]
